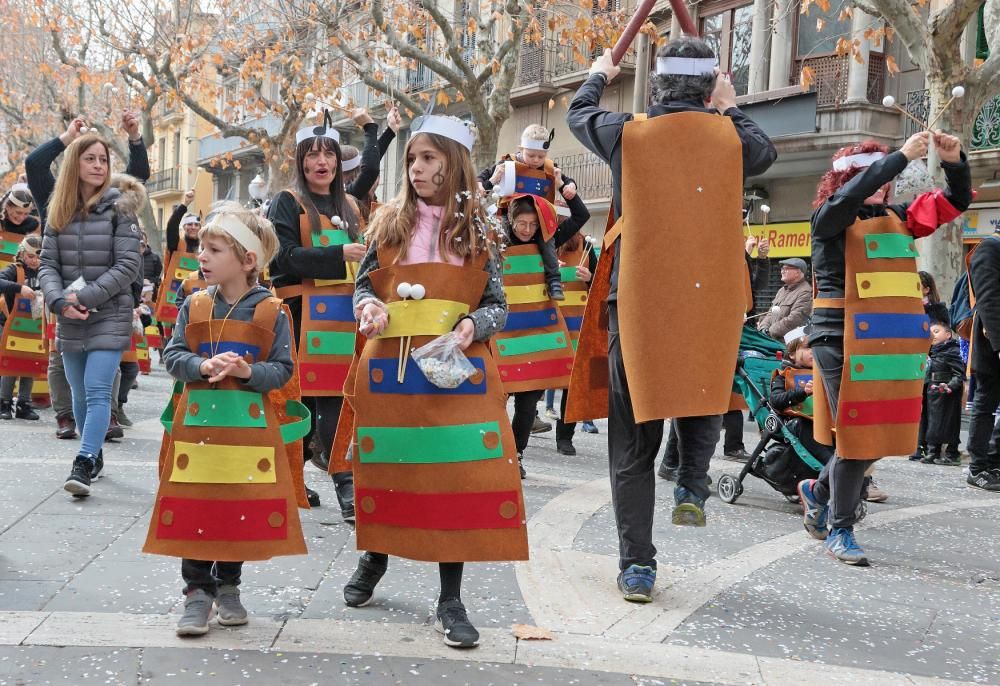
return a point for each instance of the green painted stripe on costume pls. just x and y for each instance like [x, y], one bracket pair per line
[172, 297]
[332, 237]
[330, 342]
[189, 263]
[9, 247]
[805, 407]
[889, 245]
[231, 409]
[25, 325]
[430, 444]
[523, 264]
[526, 345]
[568, 274]
[576, 342]
[888, 367]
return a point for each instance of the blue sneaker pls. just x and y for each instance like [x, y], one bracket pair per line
[589, 428]
[690, 509]
[842, 546]
[813, 514]
[636, 583]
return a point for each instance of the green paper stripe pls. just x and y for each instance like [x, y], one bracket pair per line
[889, 245]
[887, 367]
[523, 264]
[225, 408]
[430, 444]
[330, 342]
[806, 406]
[333, 236]
[568, 274]
[26, 325]
[576, 342]
[189, 263]
[172, 297]
[526, 345]
[8, 247]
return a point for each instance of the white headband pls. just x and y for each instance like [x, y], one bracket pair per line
[686, 66]
[532, 144]
[351, 164]
[454, 129]
[190, 219]
[862, 160]
[317, 132]
[240, 232]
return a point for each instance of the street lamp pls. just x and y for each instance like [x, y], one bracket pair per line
[258, 189]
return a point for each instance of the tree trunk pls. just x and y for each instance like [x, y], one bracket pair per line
[484, 153]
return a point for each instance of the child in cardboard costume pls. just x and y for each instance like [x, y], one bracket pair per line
[226, 490]
[434, 467]
[23, 354]
[181, 258]
[870, 333]
[675, 170]
[16, 221]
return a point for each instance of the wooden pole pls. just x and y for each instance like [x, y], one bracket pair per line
[642, 13]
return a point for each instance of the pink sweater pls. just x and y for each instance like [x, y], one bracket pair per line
[424, 244]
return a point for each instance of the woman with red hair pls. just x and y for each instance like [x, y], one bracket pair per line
[866, 278]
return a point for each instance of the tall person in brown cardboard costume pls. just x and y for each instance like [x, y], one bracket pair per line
[870, 334]
[676, 170]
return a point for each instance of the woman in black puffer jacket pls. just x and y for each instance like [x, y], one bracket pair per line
[90, 259]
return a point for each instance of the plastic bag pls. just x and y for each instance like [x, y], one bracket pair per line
[38, 305]
[443, 362]
[78, 285]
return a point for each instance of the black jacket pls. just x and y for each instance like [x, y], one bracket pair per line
[600, 131]
[174, 233]
[371, 161]
[780, 397]
[984, 275]
[831, 220]
[942, 419]
[29, 225]
[10, 288]
[152, 268]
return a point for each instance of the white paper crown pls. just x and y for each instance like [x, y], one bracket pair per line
[20, 187]
[448, 127]
[532, 144]
[351, 164]
[190, 219]
[795, 334]
[324, 131]
[862, 160]
[686, 66]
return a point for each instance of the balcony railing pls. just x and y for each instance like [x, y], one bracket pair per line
[830, 72]
[591, 173]
[399, 80]
[985, 131]
[212, 145]
[548, 60]
[166, 180]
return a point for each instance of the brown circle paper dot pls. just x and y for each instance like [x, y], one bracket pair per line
[315, 341]
[865, 285]
[477, 377]
[367, 444]
[853, 414]
[922, 366]
[873, 245]
[377, 375]
[927, 326]
[182, 461]
[321, 307]
[193, 409]
[863, 326]
[264, 465]
[859, 368]
[559, 340]
[276, 519]
[502, 348]
[254, 411]
[368, 504]
[508, 509]
[503, 372]
[508, 266]
[553, 317]
[167, 517]
[583, 297]
[311, 377]
[491, 439]
[249, 358]
[324, 240]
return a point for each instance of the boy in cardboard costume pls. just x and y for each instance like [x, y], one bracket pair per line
[661, 271]
[870, 333]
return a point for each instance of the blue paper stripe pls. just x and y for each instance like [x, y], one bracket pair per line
[535, 319]
[890, 325]
[337, 308]
[237, 347]
[574, 323]
[24, 306]
[415, 383]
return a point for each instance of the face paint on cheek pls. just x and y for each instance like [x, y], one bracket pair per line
[438, 178]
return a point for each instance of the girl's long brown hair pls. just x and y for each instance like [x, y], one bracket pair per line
[463, 214]
[66, 202]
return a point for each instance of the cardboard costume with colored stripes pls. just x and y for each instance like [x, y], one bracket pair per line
[168, 300]
[540, 182]
[886, 338]
[435, 470]
[795, 377]
[226, 487]
[9, 243]
[23, 351]
[577, 291]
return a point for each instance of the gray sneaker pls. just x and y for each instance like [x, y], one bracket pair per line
[123, 418]
[230, 609]
[197, 612]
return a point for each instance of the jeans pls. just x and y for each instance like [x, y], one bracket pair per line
[550, 399]
[525, 408]
[59, 390]
[91, 375]
[982, 443]
[23, 388]
[208, 576]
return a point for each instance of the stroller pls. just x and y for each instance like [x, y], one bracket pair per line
[780, 459]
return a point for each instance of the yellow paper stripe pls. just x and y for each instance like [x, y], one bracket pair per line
[142, 353]
[201, 463]
[524, 295]
[25, 345]
[423, 317]
[574, 299]
[889, 284]
[352, 273]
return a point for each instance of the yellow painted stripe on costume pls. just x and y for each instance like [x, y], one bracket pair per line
[574, 299]
[182, 274]
[25, 345]
[142, 353]
[888, 285]
[423, 317]
[203, 463]
[352, 273]
[525, 295]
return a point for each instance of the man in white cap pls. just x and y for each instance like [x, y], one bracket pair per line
[792, 304]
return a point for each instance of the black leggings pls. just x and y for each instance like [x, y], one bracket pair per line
[450, 573]
[525, 408]
[325, 415]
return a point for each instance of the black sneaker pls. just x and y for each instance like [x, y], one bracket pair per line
[665, 472]
[930, 458]
[948, 461]
[520, 466]
[343, 485]
[95, 472]
[987, 480]
[26, 411]
[738, 455]
[556, 291]
[361, 586]
[78, 482]
[115, 430]
[540, 426]
[313, 497]
[6, 409]
[564, 446]
[454, 625]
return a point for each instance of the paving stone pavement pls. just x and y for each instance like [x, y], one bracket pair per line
[750, 599]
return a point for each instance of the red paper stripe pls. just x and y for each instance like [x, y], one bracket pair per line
[191, 519]
[439, 511]
[531, 371]
[871, 412]
[325, 377]
[26, 366]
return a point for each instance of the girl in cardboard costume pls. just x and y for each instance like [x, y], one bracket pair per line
[23, 354]
[226, 490]
[870, 333]
[16, 221]
[434, 468]
[319, 231]
[181, 277]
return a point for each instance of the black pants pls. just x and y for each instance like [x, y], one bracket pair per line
[732, 425]
[130, 372]
[928, 409]
[564, 431]
[525, 409]
[208, 576]
[983, 430]
[550, 261]
[449, 572]
[632, 451]
[842, 482]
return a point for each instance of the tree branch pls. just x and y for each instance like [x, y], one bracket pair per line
[951, 21]
[451, 46]
[908, 26]
[410, 51]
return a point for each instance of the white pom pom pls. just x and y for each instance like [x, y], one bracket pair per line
[336, 220]
[404, 290]
[958, 92]
[310, 97]
[417, 291]
[108, 86]
[766, 209]
[888, 101]
[92, 130]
